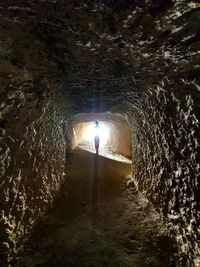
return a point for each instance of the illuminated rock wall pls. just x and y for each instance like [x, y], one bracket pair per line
[164, 117]
[166, 158]
[34, 115]
[32, 159]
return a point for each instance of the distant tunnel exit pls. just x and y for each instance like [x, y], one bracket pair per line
[113, 132]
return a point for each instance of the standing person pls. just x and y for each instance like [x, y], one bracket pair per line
[96, 138]
[96, 124]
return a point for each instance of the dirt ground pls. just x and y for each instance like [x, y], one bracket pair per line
[98, 220]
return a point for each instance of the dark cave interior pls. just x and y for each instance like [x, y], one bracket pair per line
[137, 59]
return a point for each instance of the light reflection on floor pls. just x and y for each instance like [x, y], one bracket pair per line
[105, 151]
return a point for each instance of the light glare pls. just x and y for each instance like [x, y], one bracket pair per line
[91, 131]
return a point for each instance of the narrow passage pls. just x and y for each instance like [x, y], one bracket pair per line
[98, 221]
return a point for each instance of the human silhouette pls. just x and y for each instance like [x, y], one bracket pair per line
[96, 138]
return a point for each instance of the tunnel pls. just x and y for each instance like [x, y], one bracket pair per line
[114, 133]
[133, 66]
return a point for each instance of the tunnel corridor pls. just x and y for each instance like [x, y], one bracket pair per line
[99, 220]
[134, 67]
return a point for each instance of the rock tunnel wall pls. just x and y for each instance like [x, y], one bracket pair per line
[166, 158]
[32, 159]
[165, 127]
[34, 114]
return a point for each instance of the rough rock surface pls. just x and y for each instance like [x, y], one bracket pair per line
[59, 58]
[33, 120]
[99, 220]
[32, 159]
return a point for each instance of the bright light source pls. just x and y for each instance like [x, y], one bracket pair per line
[91, 131]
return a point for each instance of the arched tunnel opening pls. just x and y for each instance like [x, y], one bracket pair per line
[134, 67]
[113, 130]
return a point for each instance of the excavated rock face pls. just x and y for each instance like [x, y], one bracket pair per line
[32, 156]
[60, 58]
[165, 124]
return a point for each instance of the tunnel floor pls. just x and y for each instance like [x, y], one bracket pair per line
[98, 220]
[105, 151]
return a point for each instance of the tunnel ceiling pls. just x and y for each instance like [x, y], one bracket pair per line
[97, 51]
